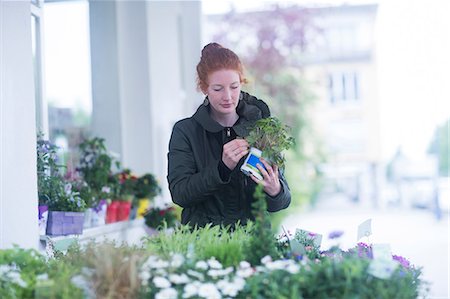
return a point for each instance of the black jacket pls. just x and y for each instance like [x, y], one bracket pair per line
[195, 182]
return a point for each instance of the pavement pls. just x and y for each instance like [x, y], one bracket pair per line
[414, 234]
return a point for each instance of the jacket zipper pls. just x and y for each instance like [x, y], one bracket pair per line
[228, 132]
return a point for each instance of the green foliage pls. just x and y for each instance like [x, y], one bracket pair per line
[25, 273]
[127, 184]
[53, 190]
[49, 172]
[271, 136]
[161, 217]
[262, 241]
[332, 278]
[203, 243]
[147, 186]
[113, 269]
[95, 163]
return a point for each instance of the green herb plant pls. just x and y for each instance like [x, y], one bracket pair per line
[262, 241]
[272, 137]
[203, 243]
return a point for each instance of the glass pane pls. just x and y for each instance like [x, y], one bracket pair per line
[67, 74]
[35, 49]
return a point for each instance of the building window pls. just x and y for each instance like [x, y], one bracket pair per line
[67, 74]
[36, 51]
[343, 87]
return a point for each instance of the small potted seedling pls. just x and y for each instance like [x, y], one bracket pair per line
[268, 138]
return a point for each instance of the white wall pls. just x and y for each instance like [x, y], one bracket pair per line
[18, 187]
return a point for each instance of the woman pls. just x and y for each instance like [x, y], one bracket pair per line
[207, 149]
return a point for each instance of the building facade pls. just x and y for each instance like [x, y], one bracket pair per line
[143, 57]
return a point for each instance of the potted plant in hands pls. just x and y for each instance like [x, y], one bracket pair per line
[268, 138]
[147, 188]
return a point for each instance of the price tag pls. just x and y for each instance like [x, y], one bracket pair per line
[364, 229]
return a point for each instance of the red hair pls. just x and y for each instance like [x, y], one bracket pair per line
[214, 58]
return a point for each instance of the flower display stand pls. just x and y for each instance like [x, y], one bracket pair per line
[65, 223]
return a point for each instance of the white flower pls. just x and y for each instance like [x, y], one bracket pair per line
[106, 189]
[276, 265]
[266, 259]
[293, 268]
[43, 276]
[144, 276]
[179, 279]
[191, 289]
[17, 279]
[167, 293]
[244, 265]
[214, 264]
[177, 260]
[196, 274]
[4, 269]
[209, 291]
[154, 262]
[239, 283]
[244, 273]
[228, 288]
[219, 272]
[161, 282]
[201, 265]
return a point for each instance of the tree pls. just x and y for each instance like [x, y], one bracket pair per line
[271, 45]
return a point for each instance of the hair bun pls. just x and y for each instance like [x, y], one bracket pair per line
[210, 48]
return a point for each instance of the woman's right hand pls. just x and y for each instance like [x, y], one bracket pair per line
[233, 151]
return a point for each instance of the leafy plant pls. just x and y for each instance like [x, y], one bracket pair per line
[66, 199]
[262, 241]
[147, 186]
[127, 184]
[157, 217]
[49, 172]
[204, 243]
[111, 271]
[95, 163]
[271, 136]
[53, 189]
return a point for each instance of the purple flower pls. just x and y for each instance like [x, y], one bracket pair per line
[404, 262]
[364, 250]
[335, 234]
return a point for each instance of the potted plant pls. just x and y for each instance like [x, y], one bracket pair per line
[95, 168]
[63, 206]
[127, 188]
[147, 188]
[156, 216]
[47, 171]
[268, 138]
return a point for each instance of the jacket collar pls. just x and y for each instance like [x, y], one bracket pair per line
[249, 109]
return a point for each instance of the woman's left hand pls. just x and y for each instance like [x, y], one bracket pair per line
[271, 181]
